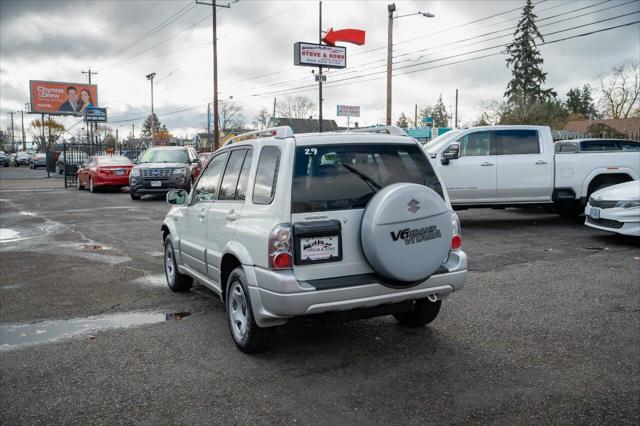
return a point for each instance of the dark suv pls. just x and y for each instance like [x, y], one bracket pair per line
[163, 168]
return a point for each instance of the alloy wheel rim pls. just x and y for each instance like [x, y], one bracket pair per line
[168, 263]
[238, 312]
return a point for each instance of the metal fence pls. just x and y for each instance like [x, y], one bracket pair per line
[73, 156]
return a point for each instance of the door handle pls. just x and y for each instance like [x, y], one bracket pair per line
[486, 163]
[231, 216]
[539, 162]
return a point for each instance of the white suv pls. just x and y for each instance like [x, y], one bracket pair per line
[352, 224]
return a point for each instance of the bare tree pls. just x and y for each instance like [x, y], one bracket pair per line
[262, 119]
[52, 132]
[295, 107]
[230, 116]
[492, 112]
[620, 91]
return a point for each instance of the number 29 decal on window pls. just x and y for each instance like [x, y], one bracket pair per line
[311, 151]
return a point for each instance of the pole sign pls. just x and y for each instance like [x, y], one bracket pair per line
[319, 55]
[348, 111]
[95, 115]
[427, 119]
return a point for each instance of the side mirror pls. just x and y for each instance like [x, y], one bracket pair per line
[177, 196]
[452, 152]
[195, 161]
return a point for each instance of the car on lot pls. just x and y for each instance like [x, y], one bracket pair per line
[517, 166]
[39, 159]
[71, 161]
[22, 159]
[351, 225]
[615, 209]
[4, 159]
[104, 171]
[162, 168]
[596, 145]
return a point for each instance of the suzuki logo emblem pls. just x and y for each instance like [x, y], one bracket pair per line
[414, 206]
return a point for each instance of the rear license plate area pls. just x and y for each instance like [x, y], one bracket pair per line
[317, 242]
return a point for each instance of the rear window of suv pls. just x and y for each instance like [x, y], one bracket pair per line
[343, 177]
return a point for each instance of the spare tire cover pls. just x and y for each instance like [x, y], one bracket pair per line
[406, 232]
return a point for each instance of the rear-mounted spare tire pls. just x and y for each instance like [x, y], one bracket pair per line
[406, 233]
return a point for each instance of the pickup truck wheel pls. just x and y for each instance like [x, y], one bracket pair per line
[246, 334]
[175, 280]
[569, 209]
[425, 311]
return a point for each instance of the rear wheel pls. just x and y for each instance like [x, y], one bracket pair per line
[425, 311]
[78, 184]
[175, 280]
[246, 334]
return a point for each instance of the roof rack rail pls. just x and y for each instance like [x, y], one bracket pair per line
[391, 130]
[280, 132]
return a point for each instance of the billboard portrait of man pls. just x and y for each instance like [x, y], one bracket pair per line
[72, 104]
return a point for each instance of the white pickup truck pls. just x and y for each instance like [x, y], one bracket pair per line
[505, 166]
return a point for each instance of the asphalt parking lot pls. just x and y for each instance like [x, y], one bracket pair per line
[546, 331]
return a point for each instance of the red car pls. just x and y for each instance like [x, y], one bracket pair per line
[104, 171]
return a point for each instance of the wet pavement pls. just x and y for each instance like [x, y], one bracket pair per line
[546, 330]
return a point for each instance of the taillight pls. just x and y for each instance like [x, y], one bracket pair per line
[280, 247]
[456, 242]
[104, 171]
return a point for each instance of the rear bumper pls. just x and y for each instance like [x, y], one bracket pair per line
[277, 296]
[110, 180]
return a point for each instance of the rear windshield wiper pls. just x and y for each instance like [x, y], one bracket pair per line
[362, 176]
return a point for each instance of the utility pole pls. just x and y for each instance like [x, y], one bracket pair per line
[24, 140]
[214, 7]
[455, 126]
[13, 139]
[390, 8]
[209, 124]
[274, 108]
[320, 70]
[90, 125]
[415, 117]
[150, 77]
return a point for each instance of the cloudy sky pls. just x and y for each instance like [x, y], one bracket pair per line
[125, 40]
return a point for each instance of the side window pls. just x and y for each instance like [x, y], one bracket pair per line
[241, 191]
[629, 145]
[231, 174]
[515, 142]
[475, 144]
[207, 187]
[265, 182]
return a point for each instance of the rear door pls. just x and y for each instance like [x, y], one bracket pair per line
[471, 178]
[525, 170]
[226, 208]
[194, 222]
[329, 195]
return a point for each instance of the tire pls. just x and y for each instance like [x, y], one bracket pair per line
[569, 209]
[78, 185]
[246, 334]
[425, 311]
[92, 189]
[133, 195]
[175, 280]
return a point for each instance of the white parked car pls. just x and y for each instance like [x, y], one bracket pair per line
[615, 209]
[503, 166]
[349, 224]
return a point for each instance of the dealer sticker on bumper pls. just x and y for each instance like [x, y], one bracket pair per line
[594, 213]
[319, 248]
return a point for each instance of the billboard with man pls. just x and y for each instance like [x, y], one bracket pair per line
[55, 98]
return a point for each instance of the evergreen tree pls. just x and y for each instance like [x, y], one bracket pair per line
[403, 121]
[586, 101]
[151, 123]
[525, 90]
[439, 113]
[574, 101]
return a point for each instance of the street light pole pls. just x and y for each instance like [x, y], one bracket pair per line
[13, 139]
[150, 77]
[391, 8]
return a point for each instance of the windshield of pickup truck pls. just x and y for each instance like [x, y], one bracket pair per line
[343, 177]
[444, 138]
[164, 156]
